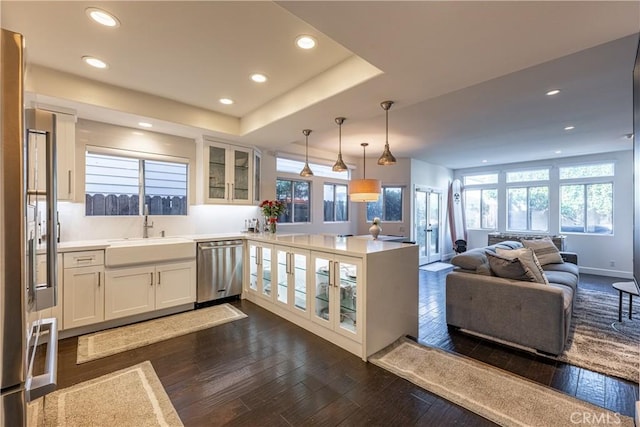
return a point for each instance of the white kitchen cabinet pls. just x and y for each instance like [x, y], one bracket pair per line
[83, 295]
[228, 173]
[65, 165]
[135, 290]
[336, 288]
[41, 277]
[292, 278]
[260, 269]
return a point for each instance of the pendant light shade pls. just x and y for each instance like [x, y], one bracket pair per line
[339, 166]
[306, 170]
[386, 158]
[364, 190]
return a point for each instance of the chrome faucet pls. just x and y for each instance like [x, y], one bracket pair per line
[145, 227]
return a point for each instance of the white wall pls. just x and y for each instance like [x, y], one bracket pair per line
[595, 252]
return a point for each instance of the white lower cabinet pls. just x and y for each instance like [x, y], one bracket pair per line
[259, 269]
[83, 301]
[292, 279]
[335, 290]
[135, 290]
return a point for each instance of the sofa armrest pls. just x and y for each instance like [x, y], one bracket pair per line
[571, 257]
[526, 313]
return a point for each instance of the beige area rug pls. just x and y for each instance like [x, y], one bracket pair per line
[132, 397]
[112, 341]
[492, 393]
[594, 344]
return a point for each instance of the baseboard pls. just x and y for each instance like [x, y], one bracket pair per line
[606, 272]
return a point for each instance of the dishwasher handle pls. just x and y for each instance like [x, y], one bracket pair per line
[207, 246]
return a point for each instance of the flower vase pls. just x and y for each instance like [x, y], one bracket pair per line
[273, 222]
[375, 230]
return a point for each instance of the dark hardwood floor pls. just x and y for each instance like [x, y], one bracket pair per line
[265, 371]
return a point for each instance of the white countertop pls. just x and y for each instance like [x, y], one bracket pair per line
[356, 245]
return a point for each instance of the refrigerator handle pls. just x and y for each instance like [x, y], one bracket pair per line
[44, 383]
[52, 215]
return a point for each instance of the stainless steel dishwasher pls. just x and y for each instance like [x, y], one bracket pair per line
[219, 270]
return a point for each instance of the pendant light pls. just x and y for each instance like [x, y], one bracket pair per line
[364, 190]
[306, 170]
[386, 158]
[339, 166]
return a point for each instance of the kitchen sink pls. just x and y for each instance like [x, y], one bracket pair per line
[123, 252]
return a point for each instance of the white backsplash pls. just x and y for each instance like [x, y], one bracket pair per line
[202, 219]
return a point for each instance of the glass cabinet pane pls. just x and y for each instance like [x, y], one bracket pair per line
[266, 271]
[256, 177]
[283, 276]
[322, 289]
[348, 311]
[300, 280]
[217, 177]
[241, 175]
[253, 268]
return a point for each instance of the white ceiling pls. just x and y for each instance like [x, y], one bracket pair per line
[468, 78]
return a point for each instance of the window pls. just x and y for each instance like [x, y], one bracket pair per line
[296, 196]
[388, 207]
[481, 201]
[586, 199]
[336, 206]
[528, 208]
[528, 175]
[114, 185]
[481, 208]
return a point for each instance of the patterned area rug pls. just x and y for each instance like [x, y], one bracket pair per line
[492, 393]
[594, 344]
[112, 341]
[131, 397]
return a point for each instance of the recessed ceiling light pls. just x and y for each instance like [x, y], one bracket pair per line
[569, 127]
[226, 101]
[628, 136]
[135, 132]
[558, 151]
[306, 42]
[102, 17]
[484, 161]
[145, 124]
[553, 92]
[95, 62]
[258, 78]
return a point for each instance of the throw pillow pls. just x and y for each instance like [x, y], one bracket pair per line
[528, 260]
[545, 250]
[508, 268]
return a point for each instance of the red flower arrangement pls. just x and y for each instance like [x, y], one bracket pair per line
[272, 209]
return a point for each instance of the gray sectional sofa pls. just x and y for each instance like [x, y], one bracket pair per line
[534, 315]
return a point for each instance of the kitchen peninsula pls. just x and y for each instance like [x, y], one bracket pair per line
[360, 294]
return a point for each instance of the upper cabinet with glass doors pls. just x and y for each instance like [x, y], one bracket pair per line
[229, 173]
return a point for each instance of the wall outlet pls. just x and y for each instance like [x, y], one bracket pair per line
[612, 263]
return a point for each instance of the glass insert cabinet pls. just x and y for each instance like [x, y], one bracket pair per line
[230, 174]
[335, 293]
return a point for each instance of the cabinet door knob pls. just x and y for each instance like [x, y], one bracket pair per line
[99, 278]
[159, 276]
[151, 276]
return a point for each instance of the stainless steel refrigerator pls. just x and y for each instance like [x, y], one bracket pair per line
[27, 228]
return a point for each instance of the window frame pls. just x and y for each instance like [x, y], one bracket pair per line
[335, 206]
[309, 201]
[482, 189]
[141, 158]
[528, 185]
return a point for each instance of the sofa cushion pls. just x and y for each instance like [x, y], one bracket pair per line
[562, 278]
[545, 250]
[566, 267]
[529, 262]
[508, 268]
[470, 260]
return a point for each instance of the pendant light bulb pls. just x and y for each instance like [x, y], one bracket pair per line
[386, 158]
[339, 166]
[306, 170]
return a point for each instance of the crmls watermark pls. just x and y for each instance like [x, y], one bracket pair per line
[595, 418]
